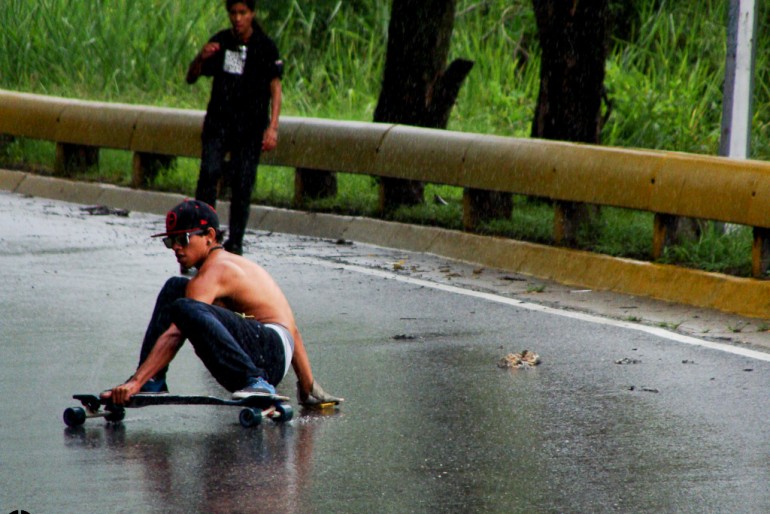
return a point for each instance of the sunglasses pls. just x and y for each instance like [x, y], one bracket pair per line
[181, 239]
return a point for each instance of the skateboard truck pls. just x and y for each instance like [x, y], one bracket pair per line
[75, 416]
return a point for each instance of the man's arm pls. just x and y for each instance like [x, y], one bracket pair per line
[309, 392]
[205, 286]
[270, 137]
[161, 355]
[196, 66]
[301, 364]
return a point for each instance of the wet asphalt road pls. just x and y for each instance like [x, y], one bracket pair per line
[613, 420]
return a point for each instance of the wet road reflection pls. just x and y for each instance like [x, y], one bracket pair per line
[225, 470]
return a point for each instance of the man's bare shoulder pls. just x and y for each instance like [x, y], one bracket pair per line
[221, 265]
[226, 267]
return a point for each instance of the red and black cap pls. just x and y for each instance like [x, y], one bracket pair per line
[189, 216]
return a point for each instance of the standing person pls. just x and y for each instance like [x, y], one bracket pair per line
[242, 114]
[232, 312]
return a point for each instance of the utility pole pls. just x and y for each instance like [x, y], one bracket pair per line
[737, 98]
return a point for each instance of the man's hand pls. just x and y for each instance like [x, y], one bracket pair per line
[269, 139]
[122, 393]
[196, 66]
[315, 397]
[208, 50]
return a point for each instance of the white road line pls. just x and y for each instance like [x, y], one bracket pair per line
[659, 332]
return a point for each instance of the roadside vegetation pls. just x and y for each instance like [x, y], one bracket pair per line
[664, 80]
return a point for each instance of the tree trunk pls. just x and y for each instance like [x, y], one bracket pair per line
[416, 88]
[573, 38]
[310, 184]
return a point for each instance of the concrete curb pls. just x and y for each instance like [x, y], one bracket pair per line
[742, 296]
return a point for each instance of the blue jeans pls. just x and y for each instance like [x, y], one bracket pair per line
[244, 159]
[234, 349]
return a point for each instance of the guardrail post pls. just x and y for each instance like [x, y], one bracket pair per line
[395, 192]
[669, 229]
[71, 158]
[146, 167]
[563, 230]
[760, 252]
[480, 205]
[664, 225]
[5, 141]
[313, 184]
[569, 217]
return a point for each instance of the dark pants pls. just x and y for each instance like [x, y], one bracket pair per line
[235, 350]
[244, 159]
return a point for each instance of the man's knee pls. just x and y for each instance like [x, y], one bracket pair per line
[174, 288]
[184, 310]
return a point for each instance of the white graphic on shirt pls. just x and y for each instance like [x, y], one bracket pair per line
[234, 62]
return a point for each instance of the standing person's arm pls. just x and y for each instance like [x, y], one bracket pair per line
[270, 137]
[196, 66]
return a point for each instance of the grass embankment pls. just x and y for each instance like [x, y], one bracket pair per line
[664, 79]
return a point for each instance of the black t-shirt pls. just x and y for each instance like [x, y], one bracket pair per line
[240, 92]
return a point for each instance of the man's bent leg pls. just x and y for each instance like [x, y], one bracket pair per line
[233, 349]
[271, 334]
[173, 289]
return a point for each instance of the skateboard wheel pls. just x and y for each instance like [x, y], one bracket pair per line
[285, 412]
[74, 416]
[115, 415]
[250, 417]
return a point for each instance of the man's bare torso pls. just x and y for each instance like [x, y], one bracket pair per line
[242, 286]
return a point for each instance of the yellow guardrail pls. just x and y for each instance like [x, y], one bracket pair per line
[665, 183]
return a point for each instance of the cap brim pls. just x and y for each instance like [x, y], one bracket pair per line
[175, 232]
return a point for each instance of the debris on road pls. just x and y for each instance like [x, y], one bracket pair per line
[644, 389]
[103, 210]
[525, 359]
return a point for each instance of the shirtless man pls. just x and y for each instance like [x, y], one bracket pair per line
[232, 312]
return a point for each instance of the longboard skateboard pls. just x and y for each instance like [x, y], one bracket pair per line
[254, 408]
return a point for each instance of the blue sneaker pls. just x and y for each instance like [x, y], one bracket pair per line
[257, 387]
[154, 386]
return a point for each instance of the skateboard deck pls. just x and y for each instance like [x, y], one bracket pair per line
[253, 409]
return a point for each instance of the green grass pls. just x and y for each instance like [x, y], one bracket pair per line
[666, 85]
[531, 220]
[664, 78]
[714, 251]
[28, 154]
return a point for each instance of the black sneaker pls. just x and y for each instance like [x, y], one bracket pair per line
[257, 387]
